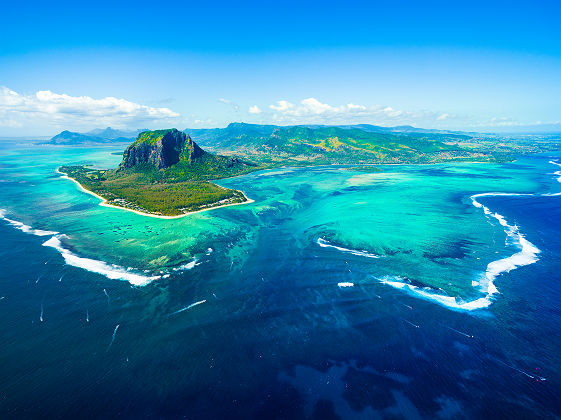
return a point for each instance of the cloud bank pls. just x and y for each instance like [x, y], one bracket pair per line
[311, 110]
[47, 109]
[254, 109]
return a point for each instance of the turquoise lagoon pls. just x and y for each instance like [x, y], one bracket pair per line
[329, 273]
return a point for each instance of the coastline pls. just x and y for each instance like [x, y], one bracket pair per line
[104, 202]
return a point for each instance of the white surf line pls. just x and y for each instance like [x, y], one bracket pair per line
[110, 271]
[113, 337]
[345, 284]
[326, 244]
[187, 266]
[526, 256]
[557, 173]
[25, 228]
[188, 307]
[459, 332]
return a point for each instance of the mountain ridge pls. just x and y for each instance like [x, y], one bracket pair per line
[164, 173]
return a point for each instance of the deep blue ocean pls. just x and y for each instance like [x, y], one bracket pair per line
[276, 343]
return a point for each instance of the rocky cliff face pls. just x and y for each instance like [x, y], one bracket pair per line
[161, 149]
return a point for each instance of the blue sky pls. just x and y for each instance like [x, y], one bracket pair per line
[461, 65]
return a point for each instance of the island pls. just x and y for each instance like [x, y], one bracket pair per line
[164, 173]
[365, 144]
[97, 136]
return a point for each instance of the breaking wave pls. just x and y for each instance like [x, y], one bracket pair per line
[527, 254]
[326, 244]
[110, 271]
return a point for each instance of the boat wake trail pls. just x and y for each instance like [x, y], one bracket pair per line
[529, 375]
[410, 323]
[113, 337]
[188, 307]
[462, 333]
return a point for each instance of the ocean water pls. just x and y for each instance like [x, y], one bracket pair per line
[417, 292]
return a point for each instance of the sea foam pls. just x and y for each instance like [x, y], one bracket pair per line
[557, 173]
[111, 271]
[25, 228]
[326, 244]
[527, 254]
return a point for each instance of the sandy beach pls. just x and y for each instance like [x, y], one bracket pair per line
[104, 202]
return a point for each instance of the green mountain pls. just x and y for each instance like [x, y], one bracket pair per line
[362, 144]
[235, 135]
[103, 136]
[111, 133]
[164, 172]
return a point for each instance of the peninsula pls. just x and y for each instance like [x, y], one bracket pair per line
[164, 173]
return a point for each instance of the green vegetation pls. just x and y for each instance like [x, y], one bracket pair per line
[164, 173]
[362, 144]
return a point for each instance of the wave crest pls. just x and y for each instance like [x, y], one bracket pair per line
[326, 244]
[110, 271]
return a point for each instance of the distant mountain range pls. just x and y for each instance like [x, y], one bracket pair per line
[343, 144]
[321, 144]
[244, 135]
[97, 136]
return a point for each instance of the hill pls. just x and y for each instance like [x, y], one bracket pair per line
[361, 144]
[98, 136]
[164, 173]
[235, 135]
[111, 133]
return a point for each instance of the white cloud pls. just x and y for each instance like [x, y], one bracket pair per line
[282, 106]
[234, 106]
[255, 110]
[311, 110]
[48, 109]
[204, 123]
